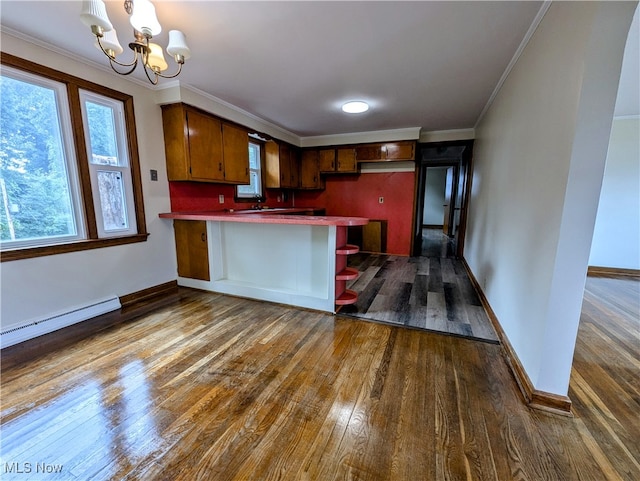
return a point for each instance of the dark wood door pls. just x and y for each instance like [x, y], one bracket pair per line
[192, 249]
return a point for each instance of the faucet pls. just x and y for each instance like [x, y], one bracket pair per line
[257, 206]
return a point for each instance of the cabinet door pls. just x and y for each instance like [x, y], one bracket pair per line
[368, 152]
[294, 168]
[309, 171]
[176, 142]
[205, 147]
[327, 160]
[192, 249]
[284, 163]
[236, 154]
[272, 165]
[400, 151]
[346, 160]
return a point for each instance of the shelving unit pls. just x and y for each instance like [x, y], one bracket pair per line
[344, 296]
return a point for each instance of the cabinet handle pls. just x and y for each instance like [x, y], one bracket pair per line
[203, 236]
[220, 166]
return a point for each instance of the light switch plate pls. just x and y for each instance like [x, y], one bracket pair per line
[154, 175]
[221, 198]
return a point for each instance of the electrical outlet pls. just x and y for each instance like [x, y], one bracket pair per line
[154, 175]
[279, 199]
[380, 200]
[221, 198]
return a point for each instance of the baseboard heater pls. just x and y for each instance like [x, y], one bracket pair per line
[32, 329]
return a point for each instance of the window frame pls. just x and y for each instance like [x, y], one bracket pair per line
[86, 196]
[263, 195]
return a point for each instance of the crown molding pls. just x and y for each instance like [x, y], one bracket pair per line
[445, 135]
[104, 68]
[410, 133]
[177, 91]
[516, 56]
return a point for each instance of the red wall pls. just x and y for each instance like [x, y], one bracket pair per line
[345, 195]
[357, 195]
[198, 196]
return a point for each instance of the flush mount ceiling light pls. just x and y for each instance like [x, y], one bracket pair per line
[145, 25]
[355, 107]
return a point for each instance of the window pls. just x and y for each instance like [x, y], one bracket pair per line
[254, 189]
[69, 172]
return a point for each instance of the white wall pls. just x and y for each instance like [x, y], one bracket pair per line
[616, 238]
[37, 288]
[434, 196]
[538, 165]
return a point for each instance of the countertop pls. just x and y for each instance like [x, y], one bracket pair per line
[268, 216]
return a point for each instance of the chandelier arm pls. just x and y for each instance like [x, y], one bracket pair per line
[113, 59]
[146, 69]
[174, 75]
[133, 67]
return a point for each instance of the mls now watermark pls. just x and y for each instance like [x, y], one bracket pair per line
[28, 468]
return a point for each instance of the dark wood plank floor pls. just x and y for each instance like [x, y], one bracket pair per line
[429, 292]
[218, 388]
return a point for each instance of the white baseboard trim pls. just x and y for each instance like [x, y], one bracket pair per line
[30, 330]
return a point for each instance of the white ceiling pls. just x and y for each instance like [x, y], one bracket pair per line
[423, 64]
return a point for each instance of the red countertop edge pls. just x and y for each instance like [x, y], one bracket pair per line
[267, 218]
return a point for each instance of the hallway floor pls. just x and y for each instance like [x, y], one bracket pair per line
[433, 293]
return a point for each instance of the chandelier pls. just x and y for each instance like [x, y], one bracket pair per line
[145, 25]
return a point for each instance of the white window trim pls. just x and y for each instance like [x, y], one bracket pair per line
[124, 168]
[70, 161]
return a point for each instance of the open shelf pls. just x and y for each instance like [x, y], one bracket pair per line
[347, 274]
[347, 249]
[347, 297]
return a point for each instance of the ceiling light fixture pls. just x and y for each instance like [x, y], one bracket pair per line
[145, 25]
[355, 107]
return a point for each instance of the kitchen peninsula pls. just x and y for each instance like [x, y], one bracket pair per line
[276, 255]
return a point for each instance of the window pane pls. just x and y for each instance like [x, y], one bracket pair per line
[36, 202]
[254, 156]
[114, 212]
[102, 134]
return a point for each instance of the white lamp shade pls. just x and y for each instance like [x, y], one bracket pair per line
[94, 12]
[156, 58]
[109, 41]
[178, 44]
[144, 19]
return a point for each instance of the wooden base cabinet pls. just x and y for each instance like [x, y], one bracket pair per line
[201, 147]
[192, 249]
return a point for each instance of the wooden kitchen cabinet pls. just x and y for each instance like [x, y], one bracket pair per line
[339, 160]
[384, 152]
[192, 249]
[310, 170]
[346, 160]
[282, 166]
[201, 147]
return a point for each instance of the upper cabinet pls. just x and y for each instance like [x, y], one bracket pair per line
[310, 170]
[282, 166]
[388, 151]
[201, 147]
[339, 160]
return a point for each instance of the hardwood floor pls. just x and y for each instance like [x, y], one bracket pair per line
[219, 388]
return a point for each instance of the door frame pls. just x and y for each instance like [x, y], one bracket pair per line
[464, 167]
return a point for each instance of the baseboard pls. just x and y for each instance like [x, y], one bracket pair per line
[150, 293]
[432, 226]
[597, 271]
[83, 321]
[40, 327]
[534, 398]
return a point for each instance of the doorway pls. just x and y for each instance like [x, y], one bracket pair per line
[442, 192]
